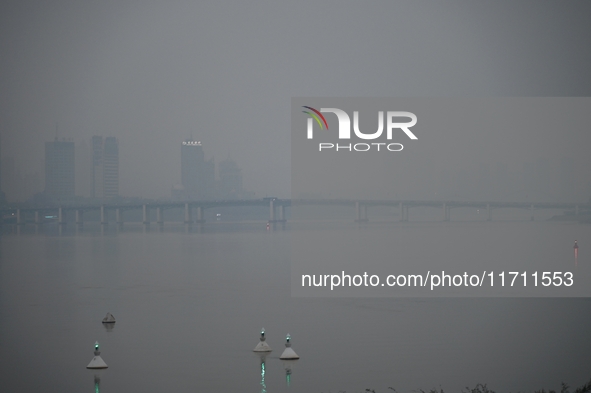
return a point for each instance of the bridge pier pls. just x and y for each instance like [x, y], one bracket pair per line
[358, 214]
[61, 216]
[146, 215]
[531, 208]
[447, 213]
[118, 216]
[38, 217]
[19, 217]
[488, 212]
[200, 218]
[79, 217]
[282, 213]
[104, 215]
[271, 211]
[404, 209]
[188, 214]
[159, 216]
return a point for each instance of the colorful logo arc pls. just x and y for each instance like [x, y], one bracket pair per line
[316, 112]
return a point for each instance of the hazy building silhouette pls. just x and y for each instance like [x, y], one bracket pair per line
[105, 167]
[111, 168]
[197, 174]
[59, 168]
[230, 183]
[96, 174]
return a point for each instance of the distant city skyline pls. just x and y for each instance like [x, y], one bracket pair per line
[66, 166]
[544, 179]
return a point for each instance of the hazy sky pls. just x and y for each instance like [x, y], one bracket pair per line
[152, 73]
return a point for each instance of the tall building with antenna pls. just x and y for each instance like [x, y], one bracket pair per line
[197, 173]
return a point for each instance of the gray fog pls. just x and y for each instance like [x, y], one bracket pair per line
[154, 73]
[190, 299]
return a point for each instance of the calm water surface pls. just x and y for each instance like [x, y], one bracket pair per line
[189, 306]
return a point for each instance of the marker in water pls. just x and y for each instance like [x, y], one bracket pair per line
[262, 346]
[288, 353]
[576, 247]
[97, 361]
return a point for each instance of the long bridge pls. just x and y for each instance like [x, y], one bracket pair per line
[38, 215]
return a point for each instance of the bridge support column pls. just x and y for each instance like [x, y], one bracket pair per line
[37, 217]
[20, 217]
[188, 215]
[488, 212]
[200, 218]
[104, 216]
[119, 216]
[531, 208]
[61, 216]
[446, 212]
[401, 212]
[360, 212]
[159, 216]
[282, 213]
[146, 215]
[79, 217]
[271, 211]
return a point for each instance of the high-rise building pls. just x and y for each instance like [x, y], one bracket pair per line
[197, 174]
[111, 168]
[230, 185]
[96, 175]
[105, 167]
[59, 168]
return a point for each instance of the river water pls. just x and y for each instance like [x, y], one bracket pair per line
[190, 304]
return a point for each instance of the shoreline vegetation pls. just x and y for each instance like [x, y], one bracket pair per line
[483, 388]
